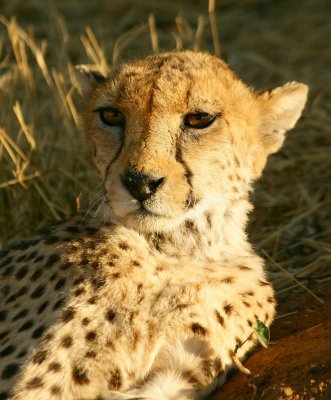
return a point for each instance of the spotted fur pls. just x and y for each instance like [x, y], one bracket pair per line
[153, 297]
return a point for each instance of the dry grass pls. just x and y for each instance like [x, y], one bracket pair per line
[45, 170]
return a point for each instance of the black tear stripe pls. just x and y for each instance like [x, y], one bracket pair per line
[191, 200]
[117, 154]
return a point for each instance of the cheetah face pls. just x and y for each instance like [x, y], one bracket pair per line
[178, 134]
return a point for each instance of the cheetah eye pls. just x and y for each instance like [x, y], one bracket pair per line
[199, 120]
[110, 116]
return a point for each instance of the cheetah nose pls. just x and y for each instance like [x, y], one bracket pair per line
[141, 186]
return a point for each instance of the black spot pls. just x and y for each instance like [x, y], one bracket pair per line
[228, 309]
[3, 315]
[54, 366]
[58, 304]
[115, 381]
[23, 353]
[38, 332]
[3, 253]
[53, 276]
[102, 252]
[52, 259]
[60, 283]
[39, 357]
[48, 337]
[218, 366]
[270, 299]
[116, 275]
[25, 244]
[27, 325]
[31, 256]
[5, 290]
[85, 321]
[110, 315]
[6, 261]
[38, 292]
[42, 307]
[90, 230]
[238, 343]
[191, 378]
[244, 268]
[90, 354]
[136, 263]
[35, 383]
[65, 265]
[4, 396]
[55, 390]
[250, 323]
[98, 282]
[11, 299]
[37, 274]
[21, 258]
[79, 291]
[72, 229]
[80, 376]
[3, 334]
[39, 258]
[246, 304]
[21, 273]
[219, 318]
[23, 290]
[228, 279]
[92, 300]
[7, 350]
[78, 280]
[94, 265]
[263, 283]
[66, 341]
[91, 336]
[51, 239]
[83, 261]
[198, 329]
[123, 246]
[68, 314]
[10, 370]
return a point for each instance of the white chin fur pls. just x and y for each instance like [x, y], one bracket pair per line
[156, 222]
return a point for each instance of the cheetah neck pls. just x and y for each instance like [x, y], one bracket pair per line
[217, 234]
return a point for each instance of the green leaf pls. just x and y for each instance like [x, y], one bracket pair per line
[262, 332]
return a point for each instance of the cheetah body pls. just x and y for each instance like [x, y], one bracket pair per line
[156, 296]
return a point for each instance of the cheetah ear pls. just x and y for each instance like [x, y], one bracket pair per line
[281, 108]
[86, 77]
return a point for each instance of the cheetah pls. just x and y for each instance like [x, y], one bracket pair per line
[156, 294]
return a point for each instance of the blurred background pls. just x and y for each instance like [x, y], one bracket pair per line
[45, 170]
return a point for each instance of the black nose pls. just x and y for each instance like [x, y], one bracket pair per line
[141, 186]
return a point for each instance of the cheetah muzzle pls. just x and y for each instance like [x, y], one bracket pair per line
[157, 294]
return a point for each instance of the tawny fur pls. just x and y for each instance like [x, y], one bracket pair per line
[150, 299]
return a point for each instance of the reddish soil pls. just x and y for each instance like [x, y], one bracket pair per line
[297, 363]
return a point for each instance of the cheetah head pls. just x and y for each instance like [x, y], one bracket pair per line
[177, 134]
